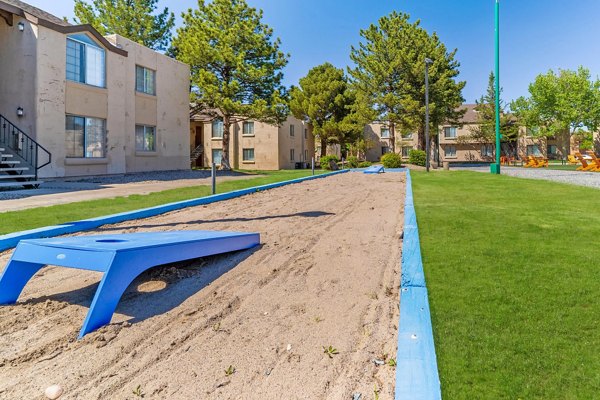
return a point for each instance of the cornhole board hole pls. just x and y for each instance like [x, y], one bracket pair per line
[120, 257]
[374, 169]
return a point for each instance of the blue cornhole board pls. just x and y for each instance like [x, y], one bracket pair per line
[121, 257]
[374, 169]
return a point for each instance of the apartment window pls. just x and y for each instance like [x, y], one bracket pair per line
[305, 133]
[247, 154]
[145, 80]
[385, 132]
[487, 150]
[217, 156]
[450, 151]
[408, 135]
[291, 130]
[406, 151]
[85, 137]
[217, 128]
[85, 61]
[248, 128]
[533, 150]
[292, 155]
[552, 150]
[145, 138]
[450, 132]
[385, 149]
[305, 155]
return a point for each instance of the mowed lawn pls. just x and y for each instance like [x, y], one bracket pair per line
[513, 272]
[14, 221]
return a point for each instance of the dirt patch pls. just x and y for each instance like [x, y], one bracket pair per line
[326, 274]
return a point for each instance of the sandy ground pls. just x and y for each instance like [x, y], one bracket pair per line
[327, 273]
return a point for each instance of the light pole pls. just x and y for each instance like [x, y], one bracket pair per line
[428, 62]
[495, 168]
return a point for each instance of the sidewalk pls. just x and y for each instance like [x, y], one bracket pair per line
[63, 192]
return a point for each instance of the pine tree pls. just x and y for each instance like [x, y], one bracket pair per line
[324, 100]
[389, 75]
[132, 19]
[236, 65]
[484, 131]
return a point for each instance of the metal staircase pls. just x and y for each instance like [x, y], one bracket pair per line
[20, 157]
[197, 152]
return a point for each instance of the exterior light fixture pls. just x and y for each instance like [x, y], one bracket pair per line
[21, 26]
[20, 112]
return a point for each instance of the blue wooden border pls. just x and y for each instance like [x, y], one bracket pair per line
[10, 240]
[417, 375]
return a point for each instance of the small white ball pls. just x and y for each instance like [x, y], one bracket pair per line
[53, 392]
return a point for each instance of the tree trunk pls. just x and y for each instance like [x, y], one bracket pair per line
[323, 147]
[393, 137]
[566, 145]
[421, 138]
[225, 164]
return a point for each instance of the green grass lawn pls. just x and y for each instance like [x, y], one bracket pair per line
[14, 221]
[513, 273]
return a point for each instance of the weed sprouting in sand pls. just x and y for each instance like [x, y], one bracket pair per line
[376, 392]
[330, 351]
[230, 370]
[392, 362]
[138, 391]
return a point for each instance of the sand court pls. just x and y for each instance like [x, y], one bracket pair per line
[326, 274]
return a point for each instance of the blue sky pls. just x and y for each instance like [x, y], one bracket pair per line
[537, 35]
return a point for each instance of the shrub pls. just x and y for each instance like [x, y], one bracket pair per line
[417, 157]
[325, 160]
[364, 164]
[352, 161]
[391, 160]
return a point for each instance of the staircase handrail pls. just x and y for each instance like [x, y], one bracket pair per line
[22, 144]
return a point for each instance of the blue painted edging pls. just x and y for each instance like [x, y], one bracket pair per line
[12, 239]
[417, 375]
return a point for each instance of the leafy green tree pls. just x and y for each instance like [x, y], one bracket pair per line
[484, 131]
[389, 75]
[561, 105]
[325, 101]
[133, 19]
[235, 63]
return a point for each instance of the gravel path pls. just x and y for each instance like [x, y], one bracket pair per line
[591, 179]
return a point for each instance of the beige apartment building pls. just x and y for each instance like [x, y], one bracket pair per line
[88, 104]
[253, 145]
[448, 146]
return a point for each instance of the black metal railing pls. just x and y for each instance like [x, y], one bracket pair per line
[21, 144]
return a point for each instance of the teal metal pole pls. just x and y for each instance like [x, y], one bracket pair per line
[496, 168]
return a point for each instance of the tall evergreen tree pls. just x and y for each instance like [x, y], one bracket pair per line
[324, 100]
[133, 19]
[236, 64]
[484, 131]
[389, 75]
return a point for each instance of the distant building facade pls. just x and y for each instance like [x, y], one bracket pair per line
[253, 145]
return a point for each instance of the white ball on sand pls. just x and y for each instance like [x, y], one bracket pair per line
[53, 392]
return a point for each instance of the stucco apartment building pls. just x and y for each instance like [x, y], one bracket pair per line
[97, 105]
[253, 145]
[447, 146]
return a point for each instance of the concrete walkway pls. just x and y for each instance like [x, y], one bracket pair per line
[66, 191]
